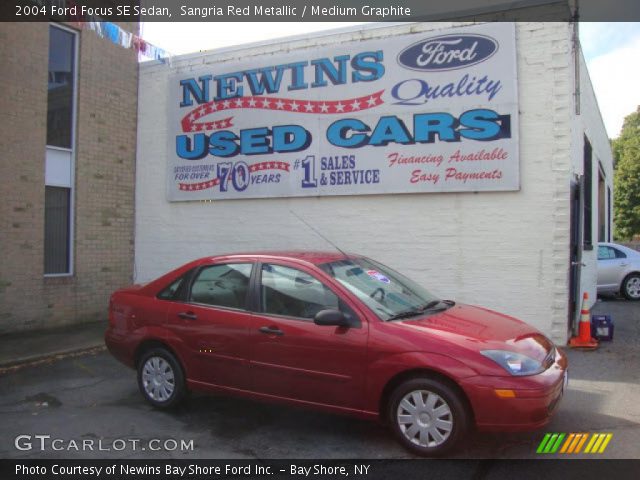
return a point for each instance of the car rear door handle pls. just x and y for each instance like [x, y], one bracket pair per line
[188, 315]
[624, 264]
[271, 331]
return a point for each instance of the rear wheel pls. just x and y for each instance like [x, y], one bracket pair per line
[428, 416]
[160, 378]
[631, 287]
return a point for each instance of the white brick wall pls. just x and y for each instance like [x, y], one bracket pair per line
[505, 250]
[589, 123]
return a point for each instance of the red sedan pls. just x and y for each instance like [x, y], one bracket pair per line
[337, 332]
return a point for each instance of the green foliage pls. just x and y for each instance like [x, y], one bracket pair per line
[626, 151]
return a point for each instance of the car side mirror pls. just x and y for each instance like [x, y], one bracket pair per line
[331, 317]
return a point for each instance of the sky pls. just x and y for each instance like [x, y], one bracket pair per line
[612, 52]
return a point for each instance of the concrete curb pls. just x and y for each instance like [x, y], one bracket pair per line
[17, 363]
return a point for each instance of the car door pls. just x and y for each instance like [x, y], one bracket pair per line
[212, 323]
[611, 268]
[291, 356]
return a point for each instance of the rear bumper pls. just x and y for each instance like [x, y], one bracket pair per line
[536, 398]
[121, 345]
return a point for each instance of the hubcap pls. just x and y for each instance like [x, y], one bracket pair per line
[158, 379]
[633, 287]
[424, 418]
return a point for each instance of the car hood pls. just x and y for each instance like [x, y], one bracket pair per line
[478, 328]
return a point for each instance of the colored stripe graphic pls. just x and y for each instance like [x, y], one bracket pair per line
[568, 442]
[556, 445]
[543, 443]
[192, 121]
[252, 169]
[608, 438]
[572, 443]
[578, 440]
[598, 443]
[550, 443]
[581, 442]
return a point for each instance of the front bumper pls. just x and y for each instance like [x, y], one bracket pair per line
[535, 401]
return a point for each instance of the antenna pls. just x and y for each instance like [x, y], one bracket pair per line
[318, 233]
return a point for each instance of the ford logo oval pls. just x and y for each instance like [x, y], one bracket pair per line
[448, 52]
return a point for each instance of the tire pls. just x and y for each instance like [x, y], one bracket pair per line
[631, 287]
[419, 432]
[160, 378]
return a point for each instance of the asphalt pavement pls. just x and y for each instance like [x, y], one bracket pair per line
[87, 396]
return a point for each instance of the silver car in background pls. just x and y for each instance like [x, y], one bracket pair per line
[618, 270]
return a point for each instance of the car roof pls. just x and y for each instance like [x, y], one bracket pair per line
[624, 248]
[611, 244]
[312, 257]
[315, 257]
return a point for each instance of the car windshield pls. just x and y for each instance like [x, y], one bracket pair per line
[388, 293]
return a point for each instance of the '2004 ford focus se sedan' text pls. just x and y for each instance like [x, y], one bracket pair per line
[337, 332]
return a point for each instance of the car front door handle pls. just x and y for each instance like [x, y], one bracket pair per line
[271, 331]
[624, 264]
[188, 316]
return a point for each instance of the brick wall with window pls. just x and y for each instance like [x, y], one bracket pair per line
[67, 136]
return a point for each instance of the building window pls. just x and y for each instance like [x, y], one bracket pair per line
[610, 214]
[60, 87]
[59, 159]
[602, 206]
[56, 229]
[588, 195]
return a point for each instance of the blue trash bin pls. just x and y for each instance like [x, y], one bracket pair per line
[602, 327]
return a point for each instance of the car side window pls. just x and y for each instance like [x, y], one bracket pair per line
[618, 253]
[224, 285]
[606, 253]
[294, 293]
[169, 292]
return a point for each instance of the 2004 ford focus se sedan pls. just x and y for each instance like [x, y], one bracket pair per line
[337, 332]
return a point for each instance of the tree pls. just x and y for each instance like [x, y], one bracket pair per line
[626, 151]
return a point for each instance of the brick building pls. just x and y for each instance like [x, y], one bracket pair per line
[68, 141]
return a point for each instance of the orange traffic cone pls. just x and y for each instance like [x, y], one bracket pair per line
[584, 340]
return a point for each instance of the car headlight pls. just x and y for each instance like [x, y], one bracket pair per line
[514, 363]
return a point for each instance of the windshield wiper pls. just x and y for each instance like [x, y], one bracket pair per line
[428, 305]
[406, 314]
[421, 309]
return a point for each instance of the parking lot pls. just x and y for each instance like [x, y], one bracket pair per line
[94, 398]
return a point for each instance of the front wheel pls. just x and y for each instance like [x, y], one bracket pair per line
[631, 287]
[428, 416]
[160, 378]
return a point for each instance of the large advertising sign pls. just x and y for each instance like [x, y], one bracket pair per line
[425, 112]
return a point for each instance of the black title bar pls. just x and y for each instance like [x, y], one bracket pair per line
[317, 10]
[584, 469]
